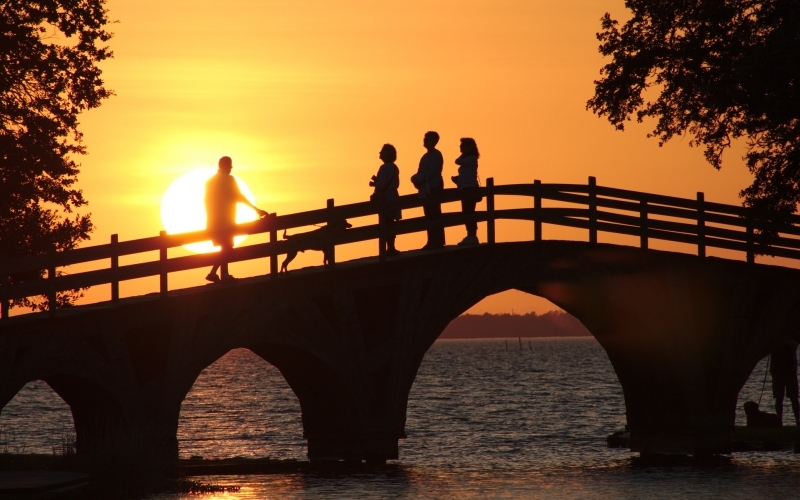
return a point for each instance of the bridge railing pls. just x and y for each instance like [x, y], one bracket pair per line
[587, 206]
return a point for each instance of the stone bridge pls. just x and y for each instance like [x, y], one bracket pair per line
[682, 332]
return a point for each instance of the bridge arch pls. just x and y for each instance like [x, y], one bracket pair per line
[288, 331]
[682, 333]
[90, 388]
[48, 429]
[240, 394]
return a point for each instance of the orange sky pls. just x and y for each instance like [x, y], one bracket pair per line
[303, 94]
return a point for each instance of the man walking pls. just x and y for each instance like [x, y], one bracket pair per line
[222, 195]
[783, 367]
[429, 183]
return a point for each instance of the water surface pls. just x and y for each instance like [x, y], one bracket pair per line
[483, 422]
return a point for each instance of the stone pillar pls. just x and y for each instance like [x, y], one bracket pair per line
[683, 337]
[334, 420]
[96, 414]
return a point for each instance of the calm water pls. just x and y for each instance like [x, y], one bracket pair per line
[483, 422]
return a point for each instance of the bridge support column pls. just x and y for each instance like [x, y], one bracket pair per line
[94, 412]
[675, 403]
[102, 428]
[683, 339]
[338, 423]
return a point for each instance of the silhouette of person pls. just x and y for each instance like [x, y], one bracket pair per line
[467, 182]
[429, 183]
[221, 196]
[386, 182]
[783, 367]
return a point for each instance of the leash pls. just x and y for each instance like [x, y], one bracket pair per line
[315, 225]
[765, 381]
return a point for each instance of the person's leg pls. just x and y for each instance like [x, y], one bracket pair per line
[390, 239]
[225, 252]
[436, 233]
[468, 207]
[428, 209]
[796, 409]
[212, 274]
[792, 394]
[778, 386]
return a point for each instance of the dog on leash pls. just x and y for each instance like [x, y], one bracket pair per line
[758, 418]
[319, 239]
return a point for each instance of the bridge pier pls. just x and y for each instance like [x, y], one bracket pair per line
[89, 366]
[337, 424]
[683, 336]
[95, 413]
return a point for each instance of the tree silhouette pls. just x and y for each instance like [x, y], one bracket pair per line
[717, 70]
[49, 50]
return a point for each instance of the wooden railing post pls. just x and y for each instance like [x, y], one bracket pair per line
[537, 210]
[162, 257]
[332, 260]
[751, 254]
[701, 225]
[114, 267]
[592, 210]
[51, 280]
[643, 223]
[490, 234]
[273, 239]
[4, 282]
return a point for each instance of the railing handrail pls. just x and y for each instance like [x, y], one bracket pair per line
[594, 197]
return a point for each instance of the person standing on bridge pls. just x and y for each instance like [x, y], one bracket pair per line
[221, 197]
[467, 182]
[783, 368]
[386, 182]
[428, 181]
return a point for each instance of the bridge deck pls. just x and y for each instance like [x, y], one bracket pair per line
[301, 273]
[591, 207]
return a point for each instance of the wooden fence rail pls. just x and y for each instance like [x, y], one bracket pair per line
[598, 209]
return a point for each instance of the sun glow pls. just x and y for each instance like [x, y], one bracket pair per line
[183, 210]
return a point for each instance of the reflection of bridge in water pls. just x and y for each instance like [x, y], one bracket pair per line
[683, 332]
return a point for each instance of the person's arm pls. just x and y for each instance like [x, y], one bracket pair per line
[433, 174]
[420, 177]
[438, 165]
[261, 213]
[240, 198]
[455, 177]
[383, 178]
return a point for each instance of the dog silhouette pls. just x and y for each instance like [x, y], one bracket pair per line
[321, 239]
[758, 418]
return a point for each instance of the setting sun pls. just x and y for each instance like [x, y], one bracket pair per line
[183, 210]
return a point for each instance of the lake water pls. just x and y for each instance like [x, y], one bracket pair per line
[483, 422]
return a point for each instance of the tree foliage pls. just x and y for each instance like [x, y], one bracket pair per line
[717, 70]
[49, 50]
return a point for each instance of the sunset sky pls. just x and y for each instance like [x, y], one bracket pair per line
[303, 94]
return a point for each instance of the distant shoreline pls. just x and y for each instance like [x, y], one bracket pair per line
[499, 326]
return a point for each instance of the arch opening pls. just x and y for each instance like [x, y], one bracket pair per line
[37, 420]
[537, 384]
[514, 314]
[758, 387]
[241, 405]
